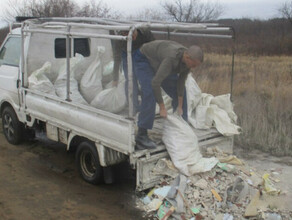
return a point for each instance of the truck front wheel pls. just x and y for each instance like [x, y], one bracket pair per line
[12, 127]
[88, 163]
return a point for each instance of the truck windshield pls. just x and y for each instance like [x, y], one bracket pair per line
[10, 52]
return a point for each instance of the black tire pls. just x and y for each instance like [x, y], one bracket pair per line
[88, 163]
[12, 128]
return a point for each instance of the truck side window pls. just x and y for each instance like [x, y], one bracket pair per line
[81, 46]
[10, 52]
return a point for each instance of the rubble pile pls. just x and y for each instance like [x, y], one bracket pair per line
[231, 190]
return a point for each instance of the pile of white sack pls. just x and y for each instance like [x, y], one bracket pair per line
[206, 111]
[89, 91]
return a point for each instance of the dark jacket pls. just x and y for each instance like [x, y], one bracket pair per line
[165, 57]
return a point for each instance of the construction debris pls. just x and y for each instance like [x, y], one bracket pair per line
[231, 190]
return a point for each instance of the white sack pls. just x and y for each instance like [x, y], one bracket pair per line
[108, 68]
[215, 112]
[194, 94]
[198, 117]
[183, 148]
[221, 121]
[112, 100]
[223, 102]
[90, 84]
[39, 81]
[61, 81]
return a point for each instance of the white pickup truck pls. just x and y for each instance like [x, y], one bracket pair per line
[99, 138]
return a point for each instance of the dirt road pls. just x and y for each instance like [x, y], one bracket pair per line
[38, 180]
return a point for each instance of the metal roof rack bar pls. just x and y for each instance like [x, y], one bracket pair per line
[194, 35]
[113, 37]
[97, 26]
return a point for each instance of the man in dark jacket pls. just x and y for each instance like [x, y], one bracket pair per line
[140, 36]
[168, 64]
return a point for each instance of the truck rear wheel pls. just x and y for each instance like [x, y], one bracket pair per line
[13, 129]
[88, 163]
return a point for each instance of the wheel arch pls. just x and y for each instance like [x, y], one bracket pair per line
[21, 116]
[5, 104]
[74, 140]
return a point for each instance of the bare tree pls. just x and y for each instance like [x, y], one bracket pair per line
[97, 9]
[148, 14]
[192, 10]
[39, 8]
[52, 8]
[286, 10]
[14, 8]
[56, 8]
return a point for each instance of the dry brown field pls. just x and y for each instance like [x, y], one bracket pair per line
[262, 97]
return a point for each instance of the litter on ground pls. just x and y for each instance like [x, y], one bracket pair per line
[228, 191]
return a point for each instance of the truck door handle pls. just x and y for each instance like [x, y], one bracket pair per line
[17, 83]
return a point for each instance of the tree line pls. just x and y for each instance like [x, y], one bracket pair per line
[252, 36]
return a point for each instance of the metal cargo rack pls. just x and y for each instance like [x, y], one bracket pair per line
[44, 25]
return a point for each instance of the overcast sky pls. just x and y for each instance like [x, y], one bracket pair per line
[262, 9]
[258, 9]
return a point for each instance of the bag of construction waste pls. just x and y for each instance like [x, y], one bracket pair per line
[38, 80]
[113, 99]
[61, 81]
[215, 112]
[223, 102]
[194, 94]
[182, 145]
[91, 84]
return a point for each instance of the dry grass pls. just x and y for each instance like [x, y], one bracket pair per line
[262, 94]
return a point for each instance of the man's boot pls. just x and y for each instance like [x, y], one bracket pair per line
[143, 141]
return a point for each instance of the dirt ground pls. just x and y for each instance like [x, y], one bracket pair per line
[39, 180]
[279, 168]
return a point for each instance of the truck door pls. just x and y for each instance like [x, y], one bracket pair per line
[9, 69]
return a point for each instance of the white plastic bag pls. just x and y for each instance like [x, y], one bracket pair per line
[112, 99]
[194, 94]
[222, 121]
[91, 84]
[223, 102]
[61, 81]
[198, 117]
[108, 68]
[183, 148]
[39, 81]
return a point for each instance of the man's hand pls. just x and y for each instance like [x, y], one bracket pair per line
[115, 83]
[163, 112]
